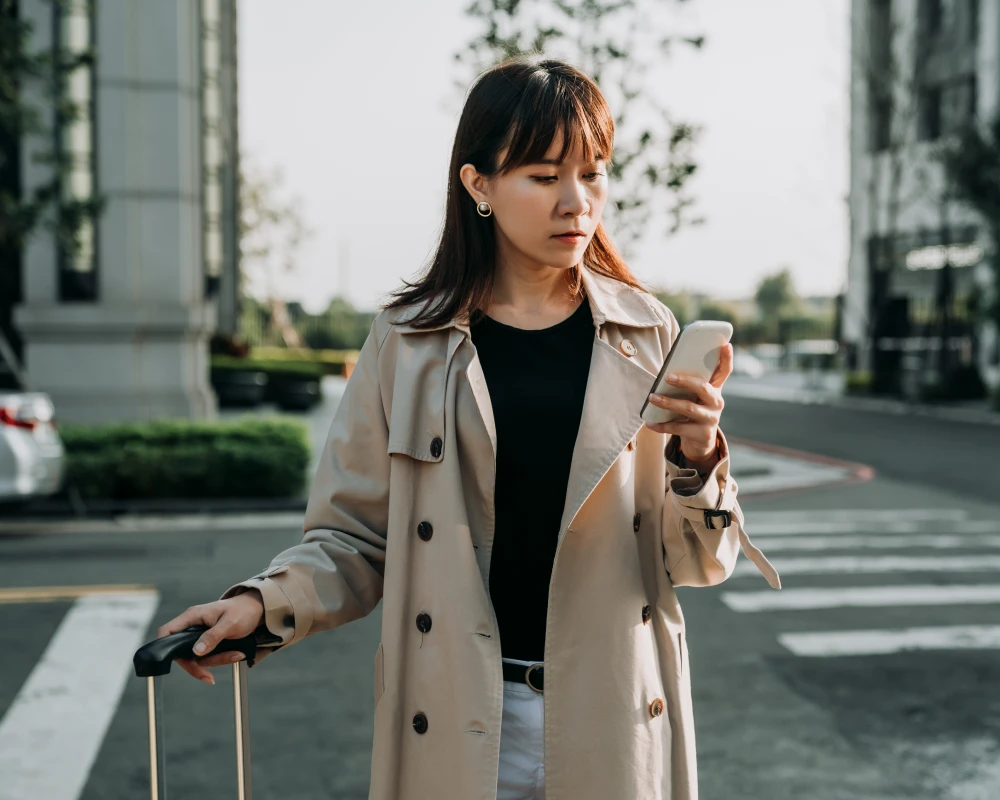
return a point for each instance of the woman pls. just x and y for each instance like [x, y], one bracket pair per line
[488, 477]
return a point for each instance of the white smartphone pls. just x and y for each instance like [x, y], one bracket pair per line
[696, 352]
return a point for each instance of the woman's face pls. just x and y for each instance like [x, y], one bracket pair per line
[536, 202]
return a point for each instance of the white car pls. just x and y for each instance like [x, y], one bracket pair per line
[32, 458]
[746, 364]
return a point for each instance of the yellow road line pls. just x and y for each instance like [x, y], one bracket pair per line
[48, 594]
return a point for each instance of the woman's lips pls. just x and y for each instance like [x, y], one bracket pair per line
[572, 238]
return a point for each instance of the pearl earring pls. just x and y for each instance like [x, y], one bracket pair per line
[484, 209]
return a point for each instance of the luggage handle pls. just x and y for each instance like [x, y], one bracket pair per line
[153, 660]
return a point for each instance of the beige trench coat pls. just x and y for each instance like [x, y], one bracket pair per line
[401, 510]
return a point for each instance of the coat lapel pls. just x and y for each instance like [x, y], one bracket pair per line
[616, 389]
[616, 386]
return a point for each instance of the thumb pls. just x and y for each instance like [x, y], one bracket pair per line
[211, 638]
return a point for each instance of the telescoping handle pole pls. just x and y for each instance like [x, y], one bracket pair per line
[153, 660]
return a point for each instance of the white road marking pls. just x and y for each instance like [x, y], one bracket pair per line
[867, 565]
[863, 515]
[807, 526]
[895, 542]
[881, 642]
[861, 597]
[52, 732]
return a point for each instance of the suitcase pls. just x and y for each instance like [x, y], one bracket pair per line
[153, 660]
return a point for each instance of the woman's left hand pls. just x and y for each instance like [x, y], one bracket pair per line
[698, 426]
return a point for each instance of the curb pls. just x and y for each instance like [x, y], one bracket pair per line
[855, 472]
[970, 416]
[148, 523]
[107, 509]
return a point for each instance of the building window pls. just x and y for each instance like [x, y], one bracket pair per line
[74, 39]
[213, 146]
[930, 16]
[929, 113]
[879, 75]
[972, 24]
[958, 103]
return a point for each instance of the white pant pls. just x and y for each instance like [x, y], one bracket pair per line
[522, 770]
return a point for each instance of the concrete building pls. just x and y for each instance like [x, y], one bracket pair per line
[921, 69]
[119, 330]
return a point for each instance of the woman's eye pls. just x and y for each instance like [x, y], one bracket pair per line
[545, 179]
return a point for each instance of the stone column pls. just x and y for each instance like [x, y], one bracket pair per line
[139, 348]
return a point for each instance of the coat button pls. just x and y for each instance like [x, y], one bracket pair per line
[655, 708]
[425, 530]
[436, 446]
[423, 622]
[627, 348]
[647, 614]
[635, 522]
[420, 722]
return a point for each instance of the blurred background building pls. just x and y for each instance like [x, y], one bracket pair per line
[921, 71]
[118, 328]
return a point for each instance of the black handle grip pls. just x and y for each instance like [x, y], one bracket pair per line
[156, 657]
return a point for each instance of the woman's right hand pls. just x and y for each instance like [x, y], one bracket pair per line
[232, 618]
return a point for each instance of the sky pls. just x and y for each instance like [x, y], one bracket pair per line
[355, 103]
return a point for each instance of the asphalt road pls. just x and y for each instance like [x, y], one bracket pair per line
[773, 721]
[952, 455]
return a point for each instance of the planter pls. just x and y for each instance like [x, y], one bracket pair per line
[293, 393]
[239, 389]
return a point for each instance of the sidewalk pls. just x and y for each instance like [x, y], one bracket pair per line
[759, 469]
[825, 389]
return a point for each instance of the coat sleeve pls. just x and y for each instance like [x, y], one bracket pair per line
[335, 574]
[699, 548]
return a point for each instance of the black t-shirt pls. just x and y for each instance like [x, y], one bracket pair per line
[536, 381]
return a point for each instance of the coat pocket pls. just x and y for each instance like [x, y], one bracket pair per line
[379, 674]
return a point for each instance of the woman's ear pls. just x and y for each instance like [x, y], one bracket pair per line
[474, 183]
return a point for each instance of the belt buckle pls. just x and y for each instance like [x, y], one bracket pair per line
[527, 676]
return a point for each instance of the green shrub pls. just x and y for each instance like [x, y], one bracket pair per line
[271, 366]
[331, 361]
[858, 382]
[181, 459]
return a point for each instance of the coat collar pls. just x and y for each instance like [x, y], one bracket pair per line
[610, 301]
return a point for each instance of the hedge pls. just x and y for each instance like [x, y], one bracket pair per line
[332, 362]
[181, 459]
[271, 366]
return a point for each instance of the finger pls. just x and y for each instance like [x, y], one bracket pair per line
[695, 412]
[724, 368]
[682, 430]
[221, 659]
[704, 392]
[195, 615]
[210, 639]
[195, 670]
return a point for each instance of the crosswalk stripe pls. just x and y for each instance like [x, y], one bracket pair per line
[863, 515]
[808, 526]
[44, 594]
[774, 544]
[861, 597]
[882, 642]
[868, 564]
[52, 732]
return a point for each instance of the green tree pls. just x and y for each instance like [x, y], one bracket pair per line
[618, 43]
[271, 232]
[717, 309]
[776, 296]
[678, 302]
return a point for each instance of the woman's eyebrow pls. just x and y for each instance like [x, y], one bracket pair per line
[557, 162]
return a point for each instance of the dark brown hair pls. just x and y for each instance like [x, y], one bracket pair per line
[521, 103]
